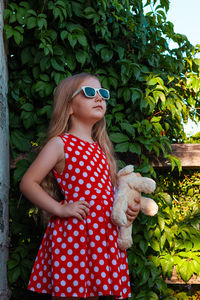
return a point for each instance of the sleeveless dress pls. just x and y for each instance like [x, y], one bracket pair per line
[81, 258]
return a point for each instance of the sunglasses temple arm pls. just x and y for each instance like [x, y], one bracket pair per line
[76, 92]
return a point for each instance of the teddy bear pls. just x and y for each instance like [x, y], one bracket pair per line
[130, 186]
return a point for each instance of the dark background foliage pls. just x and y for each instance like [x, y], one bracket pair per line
[153, 88]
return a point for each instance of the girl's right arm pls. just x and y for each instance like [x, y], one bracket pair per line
[51, 155]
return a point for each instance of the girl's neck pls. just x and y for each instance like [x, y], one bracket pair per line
[82, 132]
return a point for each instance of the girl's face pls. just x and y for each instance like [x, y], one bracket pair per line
[88, 110]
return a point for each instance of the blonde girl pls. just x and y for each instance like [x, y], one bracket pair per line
[79, 255]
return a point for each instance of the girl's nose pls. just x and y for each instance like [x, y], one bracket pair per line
[98, 97]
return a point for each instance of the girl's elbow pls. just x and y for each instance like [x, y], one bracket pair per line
[23, 184]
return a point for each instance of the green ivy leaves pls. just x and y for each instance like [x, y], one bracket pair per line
[152, 89]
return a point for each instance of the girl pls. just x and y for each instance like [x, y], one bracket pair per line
[79, 255]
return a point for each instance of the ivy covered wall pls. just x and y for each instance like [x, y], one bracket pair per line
[152, 89]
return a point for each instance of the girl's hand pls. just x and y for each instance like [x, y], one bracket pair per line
[78, 209]
[132, 212]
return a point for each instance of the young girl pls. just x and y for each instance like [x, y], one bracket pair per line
[79, 255]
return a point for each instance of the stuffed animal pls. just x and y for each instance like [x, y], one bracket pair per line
[130, 186]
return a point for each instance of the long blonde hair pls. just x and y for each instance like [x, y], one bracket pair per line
[60, 123]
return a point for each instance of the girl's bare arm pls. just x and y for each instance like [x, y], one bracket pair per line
[51, 156]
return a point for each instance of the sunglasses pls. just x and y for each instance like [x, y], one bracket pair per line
[91, 92]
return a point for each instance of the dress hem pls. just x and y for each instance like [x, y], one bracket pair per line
[82, 297]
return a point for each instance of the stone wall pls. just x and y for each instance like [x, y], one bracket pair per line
[4, 163]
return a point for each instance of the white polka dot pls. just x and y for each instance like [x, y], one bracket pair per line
[92, 179]
[70, 167]
[75, 283]
[63, 258]
[101, 262]
[97, 238]
[82, 251]
[105, 287]
[74, 159]
[98, 281]
[77, 152]
[38, 285]
[81, 163]
[62, 270]
[56, 276]
[85, 157]
[77, 170]
[85, 174]
[57, 289]
[73, 178]
[57, 251]
[69, 276]
[116, 287]
[114, 262]
[56, 264]
[69, 251]
[81, 181]
[69, 264]
[69, 148]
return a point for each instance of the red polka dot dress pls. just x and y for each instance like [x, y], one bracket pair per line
[81, 258]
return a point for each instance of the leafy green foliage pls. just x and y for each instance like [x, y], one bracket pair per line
[169, 240]
[152, 89]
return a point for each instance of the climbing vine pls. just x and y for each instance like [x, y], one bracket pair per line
[153, 88]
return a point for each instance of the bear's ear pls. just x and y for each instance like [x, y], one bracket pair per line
[138, 174]
[125, 171]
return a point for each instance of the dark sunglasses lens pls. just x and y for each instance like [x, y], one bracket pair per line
[104, 93]
[90, 92]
